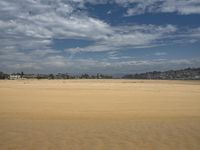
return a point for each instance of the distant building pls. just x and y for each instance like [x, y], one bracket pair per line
[14, 77]
[197, 77]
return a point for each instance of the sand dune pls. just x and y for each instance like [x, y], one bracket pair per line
[99, 115]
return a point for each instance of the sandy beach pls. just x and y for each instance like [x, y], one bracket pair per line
[99, 115]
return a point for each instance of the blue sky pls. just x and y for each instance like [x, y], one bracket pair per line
[106, 36]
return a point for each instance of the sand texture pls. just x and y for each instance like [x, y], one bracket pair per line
[99, 115]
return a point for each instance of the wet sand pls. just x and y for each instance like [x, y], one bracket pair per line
[99, 115]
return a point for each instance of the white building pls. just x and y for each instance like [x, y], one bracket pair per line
[14, 77]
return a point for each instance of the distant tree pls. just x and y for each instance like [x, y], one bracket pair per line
[22, 74]
[85, 76]
[98, 76]
[1, 75]
[51, 76]
[67, 76]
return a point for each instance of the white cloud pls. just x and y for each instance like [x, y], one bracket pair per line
[128, 66]
[182, 7]
[36, 22]
[129, 36]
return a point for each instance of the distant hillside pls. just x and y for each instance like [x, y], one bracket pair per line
[184, 74]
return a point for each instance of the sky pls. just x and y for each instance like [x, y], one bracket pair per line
[99, 36]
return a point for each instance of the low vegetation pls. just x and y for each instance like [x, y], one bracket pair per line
[184, 74]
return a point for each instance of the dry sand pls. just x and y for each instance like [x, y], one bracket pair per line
[99, 115]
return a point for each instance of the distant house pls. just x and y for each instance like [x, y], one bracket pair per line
[14, 77]
[197, 77]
